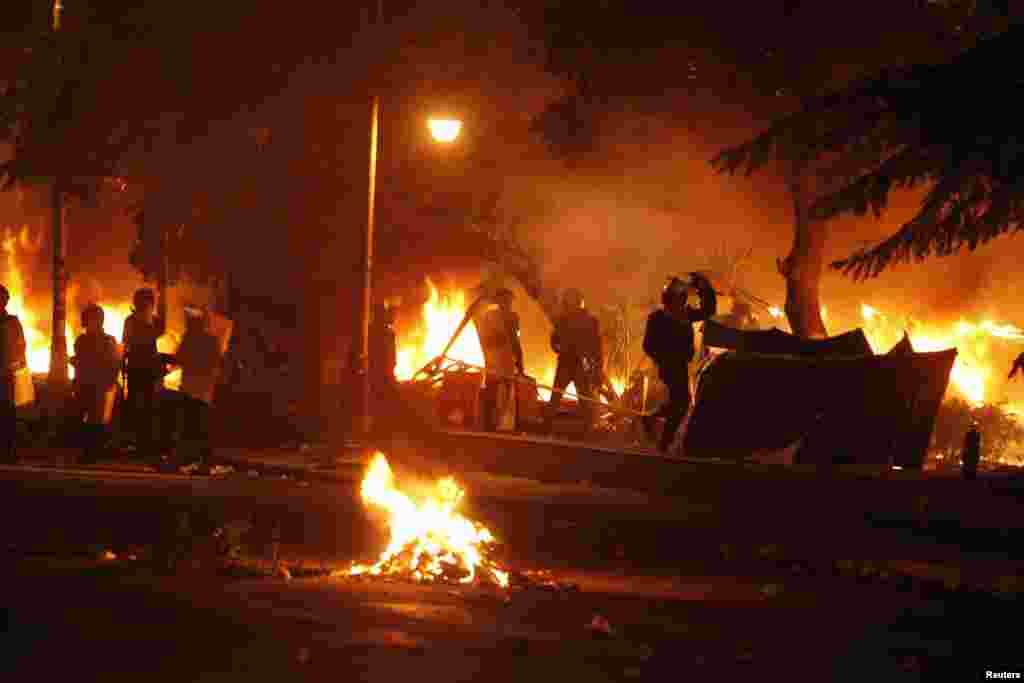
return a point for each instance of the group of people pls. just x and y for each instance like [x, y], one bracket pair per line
[99, 361]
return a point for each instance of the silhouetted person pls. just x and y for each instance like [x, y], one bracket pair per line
[12, 359]
[1018, 365]
[97, 361]
[144, 365]
[971, 454]
[383, 359]
[669, 341]
[498, 329]
[577, 341]
[199, 356]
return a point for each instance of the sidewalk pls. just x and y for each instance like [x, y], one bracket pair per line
[343, 463]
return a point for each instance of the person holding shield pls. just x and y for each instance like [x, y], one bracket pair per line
[97, 361]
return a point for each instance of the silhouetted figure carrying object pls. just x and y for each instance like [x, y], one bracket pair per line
[971, 454]
[97, 361]
[669, 341]
[144, 366]
[13, 374]
[576, 340]
[200, 356]
[498, 330]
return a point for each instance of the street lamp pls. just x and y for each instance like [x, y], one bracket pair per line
[443, 130]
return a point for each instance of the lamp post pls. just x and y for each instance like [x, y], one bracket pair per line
[444, 130]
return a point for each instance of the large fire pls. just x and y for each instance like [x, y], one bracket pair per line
[429, 540]
[37, 325]
[439, 319]
[978, 370]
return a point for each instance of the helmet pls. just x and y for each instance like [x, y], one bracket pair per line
[142, 297]
[674, 290]
[90, 312]
[573, 299]
[5, 296]
[505, 295]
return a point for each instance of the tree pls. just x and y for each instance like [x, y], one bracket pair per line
[788, 60]
[906, 127]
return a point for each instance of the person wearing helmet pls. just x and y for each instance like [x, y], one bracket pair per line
[12, 359]
[669, 342]
[576, 340]
[498, 329]
[97, 361]
[145, 367]
[200, 357]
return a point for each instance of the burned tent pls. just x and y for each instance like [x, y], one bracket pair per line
[777, 342]
[843, 407]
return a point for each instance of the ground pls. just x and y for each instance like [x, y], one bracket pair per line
[683, 598]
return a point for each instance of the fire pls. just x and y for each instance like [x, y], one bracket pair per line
[37, 327]
[429, 540]
[973, 376]
[440, 318]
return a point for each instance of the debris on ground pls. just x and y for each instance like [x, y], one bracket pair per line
[221, 470]
[539, 579]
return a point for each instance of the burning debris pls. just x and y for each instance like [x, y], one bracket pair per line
[979, 363]
[429, 540]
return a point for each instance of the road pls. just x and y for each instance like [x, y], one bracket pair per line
[675, 613]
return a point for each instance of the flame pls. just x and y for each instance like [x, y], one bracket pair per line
[429, 538]
[972, 376]
[37, 326]
[439, 318]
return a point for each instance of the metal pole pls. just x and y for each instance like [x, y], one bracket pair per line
[364, 421]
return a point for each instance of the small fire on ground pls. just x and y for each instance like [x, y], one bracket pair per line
[429, 540]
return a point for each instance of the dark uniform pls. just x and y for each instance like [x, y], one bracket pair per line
[669, 341]
[199, 356]
[577, 341]
[145, 369]
[12, 359]
[97, 361]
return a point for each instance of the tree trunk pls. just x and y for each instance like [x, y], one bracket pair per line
[58, 377]
[804, 265]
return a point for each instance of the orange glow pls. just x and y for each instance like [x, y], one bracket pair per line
[36, 323]
[428, 539]
[977, 373]
[444, 130]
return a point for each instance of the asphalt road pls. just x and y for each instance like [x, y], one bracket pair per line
[676, 612]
